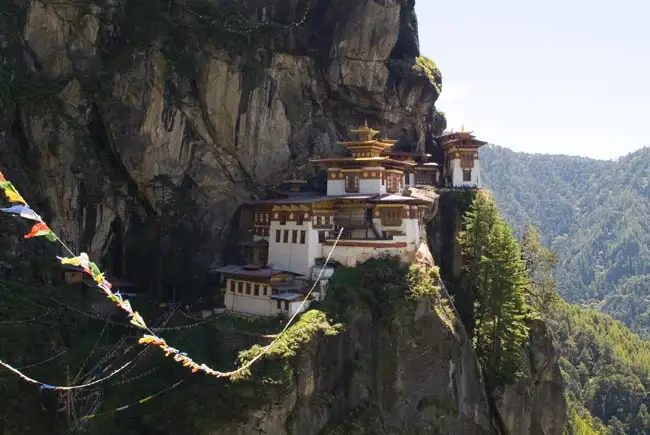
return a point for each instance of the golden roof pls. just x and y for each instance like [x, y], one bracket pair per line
[365, 133]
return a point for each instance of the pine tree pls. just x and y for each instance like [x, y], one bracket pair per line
[477, 223]
[497, 277]
[542, 292]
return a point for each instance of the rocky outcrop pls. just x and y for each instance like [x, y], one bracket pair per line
[536, 405]
[107, 105]
[221, 98]
[416, 374]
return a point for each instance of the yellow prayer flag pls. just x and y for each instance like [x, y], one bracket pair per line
[13, 196]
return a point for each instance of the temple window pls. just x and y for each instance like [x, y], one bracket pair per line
[391, 217]
[256, 289]
[303, 235]
[391, 183]
[283, 218]
[467, 176]
[299, 219]
[248, 288]
[294, 236]
[277, 236]
[240, 287]
[351, 183]
[285, 238]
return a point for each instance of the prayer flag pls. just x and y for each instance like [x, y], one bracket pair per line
[23, 211]
[11, 193]
[41, 229]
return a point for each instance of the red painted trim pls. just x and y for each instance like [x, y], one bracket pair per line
[367, 245]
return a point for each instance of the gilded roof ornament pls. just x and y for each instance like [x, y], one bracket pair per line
[365, 133]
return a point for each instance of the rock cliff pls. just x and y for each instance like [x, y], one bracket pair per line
[401, 365]
[536, 404]
[102, 98]
[109, 107]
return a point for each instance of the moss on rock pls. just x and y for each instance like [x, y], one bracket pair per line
[431, 70]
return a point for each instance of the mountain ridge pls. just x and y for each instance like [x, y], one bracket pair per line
[592, 213]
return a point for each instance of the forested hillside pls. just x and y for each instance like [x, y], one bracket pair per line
[605, 366]
[594, 214]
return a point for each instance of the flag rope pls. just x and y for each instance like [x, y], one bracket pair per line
[139, 402]
[83, 262]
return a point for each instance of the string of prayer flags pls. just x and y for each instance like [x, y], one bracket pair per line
[41, 230]
[23, 211]
[89, 267]
[83, 261]
[139, 402]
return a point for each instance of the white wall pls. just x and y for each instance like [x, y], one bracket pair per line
[366, 186]
[255, 305]
[374, 186]
[260, 306]
[336, 187]
[321, 289]
[294, 307]
[295, 257]
[352, 255]
[457, 175]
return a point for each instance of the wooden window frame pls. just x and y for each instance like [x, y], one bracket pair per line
[391, 217]
[352, 183]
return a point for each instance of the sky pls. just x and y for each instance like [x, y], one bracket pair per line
[558, 77]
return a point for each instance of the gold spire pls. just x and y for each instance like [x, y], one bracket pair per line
[365, 133]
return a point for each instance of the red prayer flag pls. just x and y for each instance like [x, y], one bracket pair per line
[41, 229]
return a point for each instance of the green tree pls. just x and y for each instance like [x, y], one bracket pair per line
[640, 424]
[542, 293]
[478, 222]
[497, 278]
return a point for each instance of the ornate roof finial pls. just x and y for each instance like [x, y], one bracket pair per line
[365, 133]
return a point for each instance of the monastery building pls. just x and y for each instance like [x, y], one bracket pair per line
[376, 197]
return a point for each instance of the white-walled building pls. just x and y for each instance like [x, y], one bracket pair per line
[462, 167]
[367, 200]
[262, 291]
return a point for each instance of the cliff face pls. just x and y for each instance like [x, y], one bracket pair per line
[535, 405]
[102, 98]
[403, 369]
